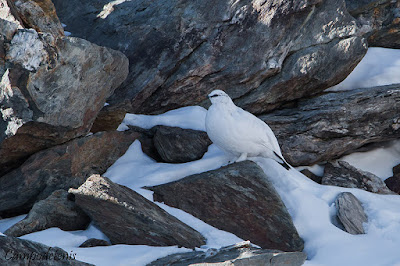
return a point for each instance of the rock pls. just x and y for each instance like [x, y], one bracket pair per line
[15, 251]
[60, 167]
[184, 50]
[177, 145]
[239, 254]
[393, 183]
[52, 87]
[350, 213]
[329, 126]
[93, 242]
[380, 20]
[312, 176]
[138, 220]
[54, 211]
[237, 198]
[342, 174]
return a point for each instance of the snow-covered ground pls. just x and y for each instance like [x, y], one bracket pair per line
[310, 204]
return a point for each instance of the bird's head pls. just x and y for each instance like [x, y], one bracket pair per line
[218, 97]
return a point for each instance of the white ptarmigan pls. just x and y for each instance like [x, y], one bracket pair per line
[239, 132]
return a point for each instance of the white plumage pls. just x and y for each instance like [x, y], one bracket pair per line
[239, 132]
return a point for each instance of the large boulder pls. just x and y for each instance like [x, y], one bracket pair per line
[263, 54]
[52, 86]
[15, 251]
[350, 213]
[60, 167]
[239, 199]
[380, 20]
[342, 174]
[126, 217]
[54, 211]
[328, 126]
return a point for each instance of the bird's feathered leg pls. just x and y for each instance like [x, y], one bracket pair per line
[283, 163]
[242, 157]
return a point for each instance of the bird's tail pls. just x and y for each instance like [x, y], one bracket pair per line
[283, 163]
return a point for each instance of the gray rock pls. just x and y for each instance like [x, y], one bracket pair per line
[241, 254]
[52, 86]
[342, 174]
[126, 217]
[334, 124]
[93, 242]
[177, 145]
[15, 251]
[393, 183]
[379, 19]
[54, 211]
[184, 50]
[237, 198]
[350, 213]
[60, 167]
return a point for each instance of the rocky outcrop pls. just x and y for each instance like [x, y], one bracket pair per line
[54, 211]
[15, 251]
[393, 183]
[379, 19]
[239, 254]
[239, 199]
[60, 167]
[350, 213]
[52, 86]
[93, 242]
[263, 54]
[342, 174]
[177, 145]
[333, 124]
[126, 217]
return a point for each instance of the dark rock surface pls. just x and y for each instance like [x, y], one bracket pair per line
[15, 251]
[184, 50]
[54, 211]
[350, 213]
[331, 125]
[93, 242]
[393, 183]
[240, 254]
[342, 174]
[52, 86]
[177, 145]
[126, 217]
[380, 19]
[312, 176]
[60, 167]
[239, 199]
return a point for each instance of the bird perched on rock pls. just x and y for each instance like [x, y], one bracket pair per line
[239, 132]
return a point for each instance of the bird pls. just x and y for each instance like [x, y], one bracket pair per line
[239, 132]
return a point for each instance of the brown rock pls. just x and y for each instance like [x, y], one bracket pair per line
[312, 176]
[393, 183]
[93, 242]
[126, 217]
[239, 199]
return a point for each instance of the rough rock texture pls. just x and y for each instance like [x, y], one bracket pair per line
[239, 254]
[342, 174]
[54, 211]
[138, 220]
[312, 176]
[93, 242]
[60, 167]
[239, 199]
[52, 87]
[350, 213]
[380, 19]
[185, 49]
[15, 251]
[333, 124]
[177, 145]
[393, 183]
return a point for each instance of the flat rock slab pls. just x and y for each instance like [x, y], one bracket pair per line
[54, 211]
[237, 198]
[241, 254]
[350, 213]
[126, 217]
[342, 174]
[15, 251]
